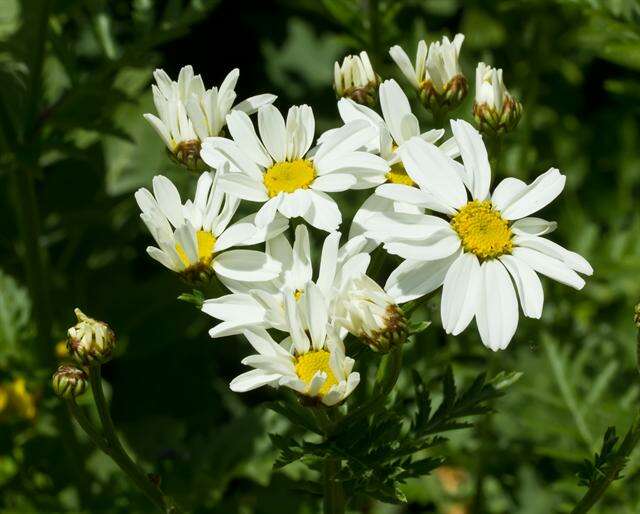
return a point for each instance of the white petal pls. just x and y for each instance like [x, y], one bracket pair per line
[268, 211]
[252, 380]
[346, 139]
[295, 204]
[540, 193]
[528, 286]
[273, 132]
[550, 267]
[395, 106]
[333, 182]
[219, 149]
[432, 171]
[413, 196]
[161, 129]
[234, 307]
[533, 227]
[323, 213]
[571, 259]
[328, 262]
[438, 246]
[242, 186]
[244, 134]
[460, 293]
[253, 103]
[246, 265]
[413, 279]
[474, 156]
[318, 315]
[497, 310]
[504, 193]
[402, 60]
[390, 226]
[238, 234]
[168, 200]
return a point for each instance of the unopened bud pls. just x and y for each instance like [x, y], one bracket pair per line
[369, 313]
[356, 79]
[69, 382]
[446, 99]
[494, 109]
[90, 341]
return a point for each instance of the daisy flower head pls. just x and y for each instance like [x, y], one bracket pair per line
[311, 362]
[481, 247]
[396, 126]
[262, 305]
[494, 109]
[188, 113]
[356, 79]
[437, 75]
[194, 238]
[278, 169]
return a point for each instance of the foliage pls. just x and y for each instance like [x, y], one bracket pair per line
[70, 125]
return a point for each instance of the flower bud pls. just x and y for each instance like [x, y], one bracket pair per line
[437, 74]
[356, 79]
[494, 109]
[69, 382]
[90, 341]
[368, 312]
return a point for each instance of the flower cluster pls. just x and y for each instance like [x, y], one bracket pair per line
[429, 203]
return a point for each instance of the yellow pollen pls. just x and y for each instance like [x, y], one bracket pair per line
[297, 294]
[206, 242]
[482, 230]
[310, 363]
[398, 175]
[288, 177]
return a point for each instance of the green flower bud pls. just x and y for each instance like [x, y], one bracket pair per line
[356, 79]
[496, 112]
[69, 382]
[90, 341]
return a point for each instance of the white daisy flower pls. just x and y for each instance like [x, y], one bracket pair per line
[279, 171]
[482, 248]
[396, 126]
[262, 304]
[437, 74]
[494, 108]
[311, 362]
[366, 310]
[194, 238]
[356, 79]
[188, 113]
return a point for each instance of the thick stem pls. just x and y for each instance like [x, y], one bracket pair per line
[115, 450]
[334, 499]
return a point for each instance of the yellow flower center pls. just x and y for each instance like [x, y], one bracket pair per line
[398, 175]
[297, 294]
[288, 177]
[310, 363]
[206, 242]
[482, 230]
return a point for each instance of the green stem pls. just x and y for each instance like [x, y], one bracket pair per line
[599, 486]
[113, 448]
[334, 499]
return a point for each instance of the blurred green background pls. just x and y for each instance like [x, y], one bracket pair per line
[74, 83]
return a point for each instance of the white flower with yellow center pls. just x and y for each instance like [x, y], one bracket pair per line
[188, 113]
[279, 171]
[396, 126]
[311, 361]
[484, 246]
[356, 79]
[262, 304]
[194, 238]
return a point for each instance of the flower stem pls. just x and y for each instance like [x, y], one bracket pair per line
[600, 485]
[112, 446]
[334, 499]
